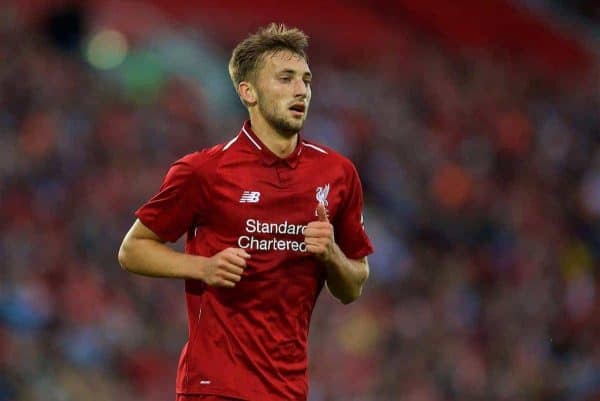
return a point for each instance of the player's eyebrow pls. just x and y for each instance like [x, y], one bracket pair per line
[293, 72]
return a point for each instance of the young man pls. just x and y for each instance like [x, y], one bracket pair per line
[269, 219]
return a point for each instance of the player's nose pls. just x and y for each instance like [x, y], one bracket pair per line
[300, 89]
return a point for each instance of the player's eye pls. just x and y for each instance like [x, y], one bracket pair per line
[285, 79]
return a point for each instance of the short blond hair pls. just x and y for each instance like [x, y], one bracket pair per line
[249, 54]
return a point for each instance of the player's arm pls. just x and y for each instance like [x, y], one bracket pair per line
[143, 252]
[345, 277]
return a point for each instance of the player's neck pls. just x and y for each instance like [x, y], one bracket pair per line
[280, 144]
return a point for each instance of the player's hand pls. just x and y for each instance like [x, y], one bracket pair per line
[225, 268]
[319, 237]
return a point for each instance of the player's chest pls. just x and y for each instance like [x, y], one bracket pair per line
[263, 198]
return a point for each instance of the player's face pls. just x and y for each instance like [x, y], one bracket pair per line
[283, 91]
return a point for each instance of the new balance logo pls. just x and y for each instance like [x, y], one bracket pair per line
[250, 197]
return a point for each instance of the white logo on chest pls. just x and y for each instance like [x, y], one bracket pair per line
[250, 197]
[322, 193]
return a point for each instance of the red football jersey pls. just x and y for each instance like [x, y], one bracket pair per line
[250, 342]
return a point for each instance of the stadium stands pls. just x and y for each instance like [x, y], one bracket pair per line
[482, 182]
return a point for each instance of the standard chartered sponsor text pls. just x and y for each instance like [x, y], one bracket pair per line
[272, 244]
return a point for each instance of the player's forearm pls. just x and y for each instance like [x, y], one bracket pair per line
[153, 258]
[346, 277]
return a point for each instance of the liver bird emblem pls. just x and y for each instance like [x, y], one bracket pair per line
[322, 193]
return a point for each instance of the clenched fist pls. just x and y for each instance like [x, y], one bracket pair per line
[319, 237]
[225, 268]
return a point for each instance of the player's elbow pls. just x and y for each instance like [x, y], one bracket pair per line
[351, 296]
[345, 294]
[356, 290]
[348, 299]
[124, 254]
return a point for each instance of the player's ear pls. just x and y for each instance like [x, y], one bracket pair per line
[247, 92]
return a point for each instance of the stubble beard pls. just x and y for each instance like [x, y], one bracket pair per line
[286, 126]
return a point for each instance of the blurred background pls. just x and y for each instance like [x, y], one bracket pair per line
[475, 126]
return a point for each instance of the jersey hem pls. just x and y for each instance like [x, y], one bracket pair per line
[215, 391]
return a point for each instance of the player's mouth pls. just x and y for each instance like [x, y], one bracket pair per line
[298, 109]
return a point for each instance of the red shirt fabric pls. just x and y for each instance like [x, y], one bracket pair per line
[250, 342]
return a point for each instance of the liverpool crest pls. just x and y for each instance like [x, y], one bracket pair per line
[322, 193]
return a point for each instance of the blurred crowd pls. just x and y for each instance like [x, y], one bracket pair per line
[482, 189]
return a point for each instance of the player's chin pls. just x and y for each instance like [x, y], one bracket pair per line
[296, 123]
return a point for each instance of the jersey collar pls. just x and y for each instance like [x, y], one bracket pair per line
[269, 158]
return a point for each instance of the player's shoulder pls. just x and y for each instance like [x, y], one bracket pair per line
[325, 154]
[203, 158]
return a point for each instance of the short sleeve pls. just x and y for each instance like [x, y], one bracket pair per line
[350, 232]
[176, 207]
